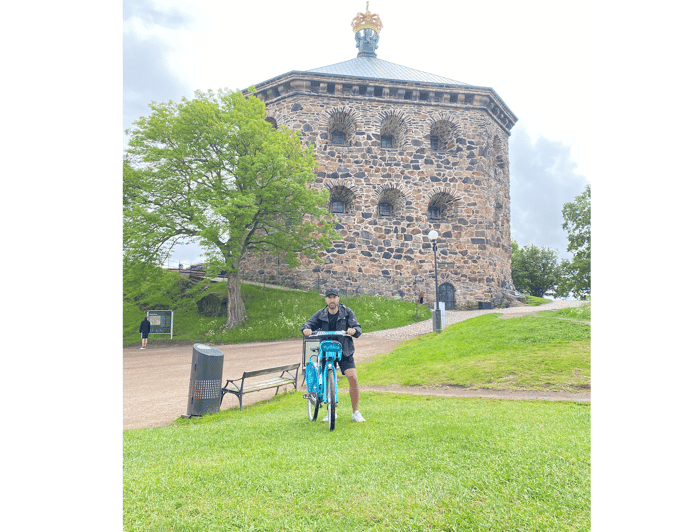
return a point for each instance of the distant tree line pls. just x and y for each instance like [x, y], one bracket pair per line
[536, 271]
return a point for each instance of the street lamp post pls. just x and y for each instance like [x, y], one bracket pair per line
[437, 321]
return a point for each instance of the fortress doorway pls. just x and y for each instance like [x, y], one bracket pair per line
[446, 294]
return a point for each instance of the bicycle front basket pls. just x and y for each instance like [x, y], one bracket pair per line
[331, 346]
[311, 378]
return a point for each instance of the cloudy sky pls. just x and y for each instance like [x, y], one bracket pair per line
[171, 48]
[591, 82]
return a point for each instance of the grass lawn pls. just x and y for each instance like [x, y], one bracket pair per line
[418, 463]
[533, 301]
[551, 351]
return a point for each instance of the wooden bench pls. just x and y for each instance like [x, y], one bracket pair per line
[239, 388]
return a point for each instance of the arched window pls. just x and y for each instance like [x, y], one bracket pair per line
[385, 209]
[393, 130]
[338, 137]
[342, 200]
[391, 202]
[443, 134]
[441, 206]
[341, 126]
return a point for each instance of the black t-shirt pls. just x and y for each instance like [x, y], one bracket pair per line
[333, 321]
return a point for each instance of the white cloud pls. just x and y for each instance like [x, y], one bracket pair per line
[543, 178]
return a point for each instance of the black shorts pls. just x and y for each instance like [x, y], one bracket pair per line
[144, 335]
[346, 363]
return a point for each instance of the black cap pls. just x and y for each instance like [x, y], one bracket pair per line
[331, 292]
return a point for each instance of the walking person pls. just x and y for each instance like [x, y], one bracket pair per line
[338, 317]
[144, 329]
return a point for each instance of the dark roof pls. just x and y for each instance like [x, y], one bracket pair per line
[375, 68]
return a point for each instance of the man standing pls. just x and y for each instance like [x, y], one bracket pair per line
[338, 317]
[144, 329]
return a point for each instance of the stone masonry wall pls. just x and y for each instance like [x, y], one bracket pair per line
[465, 182]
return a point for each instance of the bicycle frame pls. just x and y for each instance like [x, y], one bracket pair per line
[329, 353]
[328, 360]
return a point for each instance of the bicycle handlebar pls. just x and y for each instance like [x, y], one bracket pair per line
[328, 333]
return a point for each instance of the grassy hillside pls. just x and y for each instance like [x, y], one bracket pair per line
[550, 351]
[273, 314]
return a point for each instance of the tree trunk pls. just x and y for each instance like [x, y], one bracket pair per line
[236, 306]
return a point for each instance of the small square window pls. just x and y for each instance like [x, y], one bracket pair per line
[386, 141]
[434, 212]
[435, 142]
[338, 206]
[338, 137]
[385, 209]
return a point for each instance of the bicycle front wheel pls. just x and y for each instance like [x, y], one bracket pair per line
[313, 406]
[331, 396]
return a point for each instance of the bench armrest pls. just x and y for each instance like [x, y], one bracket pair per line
[236, 389]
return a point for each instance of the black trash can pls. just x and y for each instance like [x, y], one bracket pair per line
[204, 390]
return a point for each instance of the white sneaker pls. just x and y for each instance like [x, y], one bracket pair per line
[327, 417]
[357, 416]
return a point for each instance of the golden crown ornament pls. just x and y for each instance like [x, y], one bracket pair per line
[366, 20]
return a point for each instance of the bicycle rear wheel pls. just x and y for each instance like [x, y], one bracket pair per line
[331, 396]
[313, 388]
[313, 406]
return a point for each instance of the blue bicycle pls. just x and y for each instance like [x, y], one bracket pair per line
[321, 376]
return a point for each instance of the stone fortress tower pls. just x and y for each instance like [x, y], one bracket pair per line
[401, 152]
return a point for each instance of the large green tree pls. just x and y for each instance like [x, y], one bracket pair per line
[212, 170]
[577, 273]
[534, 270]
